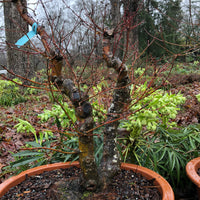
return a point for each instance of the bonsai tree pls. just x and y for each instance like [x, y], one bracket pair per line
[110, 165]
[93, 177]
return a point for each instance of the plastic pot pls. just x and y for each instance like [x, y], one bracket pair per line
[191, 171]
[163, 186]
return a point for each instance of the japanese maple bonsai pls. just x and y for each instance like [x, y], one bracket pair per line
[110, 164]
[93, 177]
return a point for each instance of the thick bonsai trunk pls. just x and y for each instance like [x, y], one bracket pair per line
[85, 123]
[121, 97]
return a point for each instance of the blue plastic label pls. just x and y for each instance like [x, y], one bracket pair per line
[27, 37]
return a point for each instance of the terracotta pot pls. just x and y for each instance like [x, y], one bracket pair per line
[191, 170]
[164, 187]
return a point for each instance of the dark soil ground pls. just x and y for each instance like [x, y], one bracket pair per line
[125, 185]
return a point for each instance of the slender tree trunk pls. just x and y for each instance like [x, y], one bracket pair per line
[121, 98]
[15, 28]
[115, 12]
[131, 8]
[115, 22]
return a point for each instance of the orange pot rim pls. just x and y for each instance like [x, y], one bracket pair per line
[164, 186]
[191, 171]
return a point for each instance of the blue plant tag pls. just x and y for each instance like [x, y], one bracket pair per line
[28, 36]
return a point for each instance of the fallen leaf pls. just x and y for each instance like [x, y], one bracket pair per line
[26, 192]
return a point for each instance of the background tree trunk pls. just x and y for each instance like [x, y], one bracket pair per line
[15, 27]
[115, 12]
[131, 8]
[115, 22]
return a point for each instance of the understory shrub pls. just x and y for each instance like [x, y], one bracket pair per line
[184, 69]
[49, 147]
[63, 116]
[10, 93]
[167, 152]
[158, 107]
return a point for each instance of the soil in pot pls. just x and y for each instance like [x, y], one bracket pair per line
[198, 171]
[126, 185]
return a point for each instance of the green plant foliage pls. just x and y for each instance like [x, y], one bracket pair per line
[28, 159]
[139, 71]
[25, 127]
[198, 97]
[56, 95]
[99, 112]
[59, 115]
[185, 69]
[168, 151]
[31, 90]
[10, 93]
[158, 107]
[98, 145]
[38, 156]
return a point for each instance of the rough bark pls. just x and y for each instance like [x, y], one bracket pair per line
[56, 65]
[84, 123]
[121, 97]
[15, 28]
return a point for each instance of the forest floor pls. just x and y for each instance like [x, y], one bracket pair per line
[11, 141]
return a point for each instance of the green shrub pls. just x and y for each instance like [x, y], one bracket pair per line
[10, 93]
[185, 69]
[62, 118]
[158, 107]
[168, 151]
[198, 97]
[25, 127]
[55, 97]
[43, 150]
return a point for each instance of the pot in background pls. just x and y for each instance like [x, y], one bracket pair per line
[191, 171]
